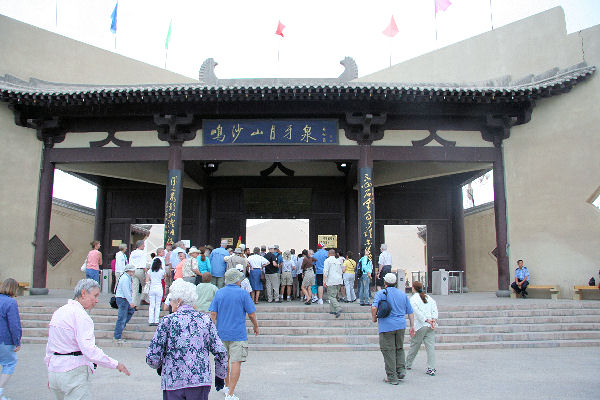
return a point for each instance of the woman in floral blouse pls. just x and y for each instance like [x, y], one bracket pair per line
[181, 345]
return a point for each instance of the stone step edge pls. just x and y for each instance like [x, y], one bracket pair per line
[368, 347]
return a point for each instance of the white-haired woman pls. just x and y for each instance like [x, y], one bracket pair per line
[181, 345]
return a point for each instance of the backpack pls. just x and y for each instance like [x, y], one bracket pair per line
[592, 282]
[359, 270]
[384, 308]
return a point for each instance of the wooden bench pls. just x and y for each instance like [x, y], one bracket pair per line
[23, 286]
[553, 289]
[579, 290]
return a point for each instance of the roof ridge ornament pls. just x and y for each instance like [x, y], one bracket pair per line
[207, 75]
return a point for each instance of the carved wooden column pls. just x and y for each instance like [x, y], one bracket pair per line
[175, 130]
[49, 131]
[99, 223]
[458, 228]
[501, 225]
[364, 128]
[366, 199]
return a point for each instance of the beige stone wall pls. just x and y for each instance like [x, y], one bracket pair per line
[76, 230]
[480, 240]
[552, 163]
[20, 160]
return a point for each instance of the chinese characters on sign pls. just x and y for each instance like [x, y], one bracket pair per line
[173, 206]
[329, 241]
[367, 209]
[264, 131]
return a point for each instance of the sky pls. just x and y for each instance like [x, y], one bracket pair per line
[240, 35]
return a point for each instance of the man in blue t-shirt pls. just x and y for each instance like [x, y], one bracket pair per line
[228, 311]
[391, 328]
[320, 256]
[218, 264]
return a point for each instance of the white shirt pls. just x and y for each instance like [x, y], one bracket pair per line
[246, 285]
[385, 258]
[121, 261]
[138, 258]
[156, 278]
[257, 261]
[423, 311]
[332, 271]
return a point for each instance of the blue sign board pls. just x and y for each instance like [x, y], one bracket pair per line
[266, 131]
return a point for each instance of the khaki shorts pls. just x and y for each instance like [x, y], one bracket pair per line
[236, 351]
[286, 278]
[309, 278]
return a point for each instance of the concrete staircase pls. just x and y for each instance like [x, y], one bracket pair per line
[294, 326]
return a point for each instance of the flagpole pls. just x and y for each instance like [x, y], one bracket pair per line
[56, 14]
[491, 15]
[166, 56]
[435, 22]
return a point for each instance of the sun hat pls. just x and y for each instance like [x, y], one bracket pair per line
[129, 267]
[238, 250]
[193, 249]
[233, 276]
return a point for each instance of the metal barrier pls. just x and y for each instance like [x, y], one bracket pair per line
[420, 276]
[455, 281]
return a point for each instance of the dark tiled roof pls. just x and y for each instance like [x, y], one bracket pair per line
[41, 93]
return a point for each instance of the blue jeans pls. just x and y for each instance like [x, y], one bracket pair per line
[8, 358]
[364, 292]
[92, 274]
[123, 317]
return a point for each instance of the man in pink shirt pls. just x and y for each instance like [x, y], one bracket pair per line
[71, 352]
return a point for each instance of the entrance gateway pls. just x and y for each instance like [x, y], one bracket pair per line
[352, 157]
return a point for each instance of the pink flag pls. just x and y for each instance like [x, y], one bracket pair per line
[280, 28]
[441, 5]
[392, 28]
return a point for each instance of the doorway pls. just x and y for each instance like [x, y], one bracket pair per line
[287, 233]
[408, 246]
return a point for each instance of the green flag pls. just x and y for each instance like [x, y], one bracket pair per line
[168, 39]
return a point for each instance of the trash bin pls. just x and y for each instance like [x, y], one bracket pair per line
[439, 282]
[105, 279]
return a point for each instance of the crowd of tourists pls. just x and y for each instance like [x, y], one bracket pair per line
[209, 294]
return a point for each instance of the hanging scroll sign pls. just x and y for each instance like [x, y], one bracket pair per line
[173, 206]
[367, 209]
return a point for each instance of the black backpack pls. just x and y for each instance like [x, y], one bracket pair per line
[592, 282]
[384, 308]
[359, 270]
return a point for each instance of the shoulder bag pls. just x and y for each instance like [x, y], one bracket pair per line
[384, 308]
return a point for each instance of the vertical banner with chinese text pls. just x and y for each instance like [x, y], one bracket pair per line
[366, 209]
[173, 206]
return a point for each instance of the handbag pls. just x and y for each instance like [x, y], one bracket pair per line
[84, 265]
[384, 308]
[113, 302]
[146, 288]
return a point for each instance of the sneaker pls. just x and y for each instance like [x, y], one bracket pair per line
[320, 301]
[313, 300]
[430, 371]
[119, 340]
[390, 382]
[232, 397]
[337, 314]
[226, 391]
[289, 299]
